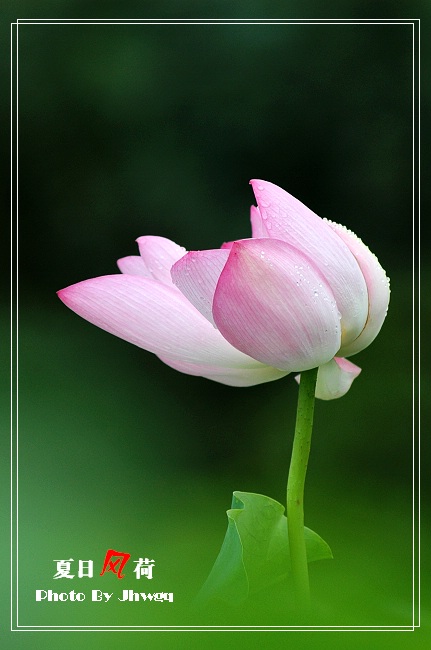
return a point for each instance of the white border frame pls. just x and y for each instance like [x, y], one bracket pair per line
[416, 440]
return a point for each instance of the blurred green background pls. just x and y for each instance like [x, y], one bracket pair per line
[133, 130]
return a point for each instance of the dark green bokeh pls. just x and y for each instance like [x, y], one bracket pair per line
[133, 130]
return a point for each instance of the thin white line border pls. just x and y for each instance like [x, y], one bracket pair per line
[415, 22]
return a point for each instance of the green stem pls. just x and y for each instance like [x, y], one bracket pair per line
[295, 488]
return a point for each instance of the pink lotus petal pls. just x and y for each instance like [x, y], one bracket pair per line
[196, 276]
[240, 377]
[159, 254]
[133, 265]
[378, 289]
[334, 378]
[288, 219]
[156, 317]
[274, 305]
[258, 227]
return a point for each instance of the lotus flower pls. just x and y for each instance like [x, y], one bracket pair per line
[302, 293]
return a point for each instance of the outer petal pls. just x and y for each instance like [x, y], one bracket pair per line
[133, 265]
[196, 276]
[378, 289]
[258, 225]
[334, 378]
[159, 254]
[273, 304]
[288, 219]
[240, 377]
[158, 318]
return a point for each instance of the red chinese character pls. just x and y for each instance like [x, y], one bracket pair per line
[111, 566]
